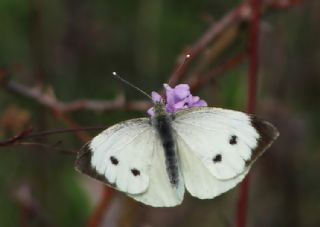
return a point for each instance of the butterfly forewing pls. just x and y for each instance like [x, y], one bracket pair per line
[120, 155]
[225, 141]
[198, 180]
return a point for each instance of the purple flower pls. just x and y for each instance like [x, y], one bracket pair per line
[176, 99]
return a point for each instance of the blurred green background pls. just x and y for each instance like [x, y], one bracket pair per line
[69, 48]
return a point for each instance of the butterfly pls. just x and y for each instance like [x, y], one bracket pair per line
[183, 146]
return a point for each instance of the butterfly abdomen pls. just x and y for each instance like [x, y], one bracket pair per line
[162, 124]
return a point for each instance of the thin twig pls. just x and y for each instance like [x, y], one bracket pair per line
[50, 147]
[236, 16]
[200, 81]
[18, 137]
[67, 130]
[27, 134]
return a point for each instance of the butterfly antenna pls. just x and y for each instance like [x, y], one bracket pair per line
[178, 70]
[131, 85]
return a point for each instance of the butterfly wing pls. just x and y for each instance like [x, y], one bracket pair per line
[129, 157]
[160, 192]
[217, 147]
[198, 180]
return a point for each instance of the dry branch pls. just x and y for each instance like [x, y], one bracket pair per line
[49, 101]
[235, 16]
[198, 82]
[253, 45]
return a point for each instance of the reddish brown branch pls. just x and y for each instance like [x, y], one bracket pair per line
[16, 138]
[49, 147]
[236, 16]
[67, 130]
[241, 13]
[100, 209]
[253, 54]
[252, 89]
[49, 101]
[198, 82]
[27, 134]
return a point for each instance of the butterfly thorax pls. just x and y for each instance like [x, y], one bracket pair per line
[162, 123]
[160, 109]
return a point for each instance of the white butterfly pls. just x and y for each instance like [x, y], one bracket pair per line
[203, 150]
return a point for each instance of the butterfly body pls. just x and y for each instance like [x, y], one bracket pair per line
[203, 150]
[162, 123]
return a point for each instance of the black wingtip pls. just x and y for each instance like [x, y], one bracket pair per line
[267, 135]
[83, 160]
[83, 165]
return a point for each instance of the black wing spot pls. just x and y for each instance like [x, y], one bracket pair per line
[217, 158]
[114, 161]
[233, 140]
[135, 172]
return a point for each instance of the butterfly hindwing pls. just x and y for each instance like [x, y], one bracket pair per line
[161, 193]
[129, 157]
[198, 180]
[222, 143]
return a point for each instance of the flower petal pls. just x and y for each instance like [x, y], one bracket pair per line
[170, 108]
[156, 97]
[169, 95]
[180, 105]
[150, 111]
[182, 91]
[200, 103]
[167, 87]
[195, 99]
